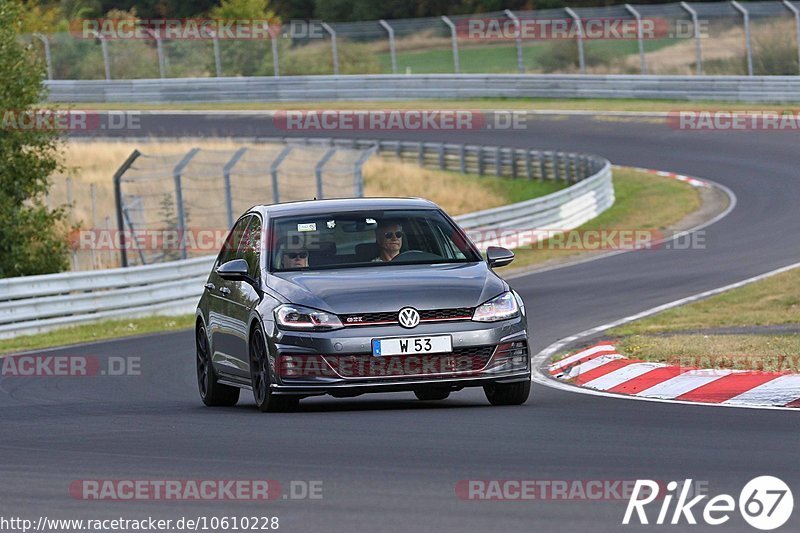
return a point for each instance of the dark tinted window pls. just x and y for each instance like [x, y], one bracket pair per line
[231, 245]
[250, 246]
[369, 238]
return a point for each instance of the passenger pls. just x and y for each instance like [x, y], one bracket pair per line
[293, 254]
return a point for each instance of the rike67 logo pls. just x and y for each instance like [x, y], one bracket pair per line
[766, 503]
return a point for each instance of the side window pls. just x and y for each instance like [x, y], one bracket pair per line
[231, 245]
[250, 246]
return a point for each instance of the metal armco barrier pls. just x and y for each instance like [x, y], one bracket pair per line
[404, 87]
[34, 304]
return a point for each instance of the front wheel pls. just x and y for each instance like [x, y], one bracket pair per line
[508, 393]
[212, 392]
[260, 376]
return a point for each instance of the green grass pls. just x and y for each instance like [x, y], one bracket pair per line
[107, 329]
[643, 202]
[773, 353]
[775, 300]
[502, 58]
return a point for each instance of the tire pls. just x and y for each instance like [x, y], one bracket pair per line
[427, 395]
[508, 393]
[211, 391]
[261, 377]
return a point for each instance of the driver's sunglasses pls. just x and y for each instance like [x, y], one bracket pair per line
[388, 234]
[295, 255]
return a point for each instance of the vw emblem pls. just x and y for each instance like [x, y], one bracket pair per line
[408, 317]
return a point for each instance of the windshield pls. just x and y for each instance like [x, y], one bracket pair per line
[367, 239]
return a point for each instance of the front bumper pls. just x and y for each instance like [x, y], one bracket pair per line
[340, 362]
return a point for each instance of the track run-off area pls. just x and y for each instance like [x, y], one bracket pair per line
[391, 463]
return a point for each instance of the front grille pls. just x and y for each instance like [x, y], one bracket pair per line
[460, 360]
[390, 318]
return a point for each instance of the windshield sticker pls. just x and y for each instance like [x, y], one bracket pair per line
[311, 226]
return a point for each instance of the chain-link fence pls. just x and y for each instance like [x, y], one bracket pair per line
[165, 206]
[679, 38]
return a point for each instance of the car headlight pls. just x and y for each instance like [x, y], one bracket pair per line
[290, 316]
[500, 307]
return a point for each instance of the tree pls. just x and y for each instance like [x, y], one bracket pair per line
[33, 238]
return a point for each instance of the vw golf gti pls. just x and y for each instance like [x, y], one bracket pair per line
[352, 296]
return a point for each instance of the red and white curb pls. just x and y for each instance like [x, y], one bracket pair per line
[602, 368]
[694, 182]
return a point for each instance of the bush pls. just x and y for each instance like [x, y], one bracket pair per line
[33, 238]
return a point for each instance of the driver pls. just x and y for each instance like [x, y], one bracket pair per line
[389, 238]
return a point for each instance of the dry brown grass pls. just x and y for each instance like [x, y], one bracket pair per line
[389, 177]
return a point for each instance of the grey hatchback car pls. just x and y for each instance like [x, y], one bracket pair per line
[352, 296]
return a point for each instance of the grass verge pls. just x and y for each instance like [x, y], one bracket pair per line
[676, 335]
[107, 329]
[643, 202]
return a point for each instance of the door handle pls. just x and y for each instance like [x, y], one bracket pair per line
[225, 290]
[210, 286]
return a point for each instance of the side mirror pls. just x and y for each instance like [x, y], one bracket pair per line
[234, 270]
[498, 257]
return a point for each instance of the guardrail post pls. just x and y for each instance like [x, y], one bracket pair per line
[421, 154]
[442, 163]
[639, 37]
[542, 166]
[498, 161]
[696, 25]
[274, 44]
[518, 38]
[557, 165]
[334, 51]
[358, 175]
[318, 170]
[796, 13]
[118, 201]
[47, 57]
[528, 165]
[176, 174]
[480, 160]
[747, 42]
[512, 152]
[159, 51]
[226, 176]
[104, 48]
[454, 40]
[217, 56]
[462, 158]
[273, 171]
[93, 193]
[392, 48]
[579, 36]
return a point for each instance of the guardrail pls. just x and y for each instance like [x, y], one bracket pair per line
[773, 89]
[34, 304]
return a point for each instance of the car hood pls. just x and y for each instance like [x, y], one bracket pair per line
[386, 289]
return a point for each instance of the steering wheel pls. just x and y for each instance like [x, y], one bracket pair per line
[415, 255]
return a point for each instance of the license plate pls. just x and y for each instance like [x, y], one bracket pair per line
[412, 345]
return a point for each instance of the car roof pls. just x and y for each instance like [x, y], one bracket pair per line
[323, 207]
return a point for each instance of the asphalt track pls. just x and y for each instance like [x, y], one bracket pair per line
[391, 463]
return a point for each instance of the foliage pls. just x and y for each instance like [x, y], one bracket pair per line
[33, 238]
